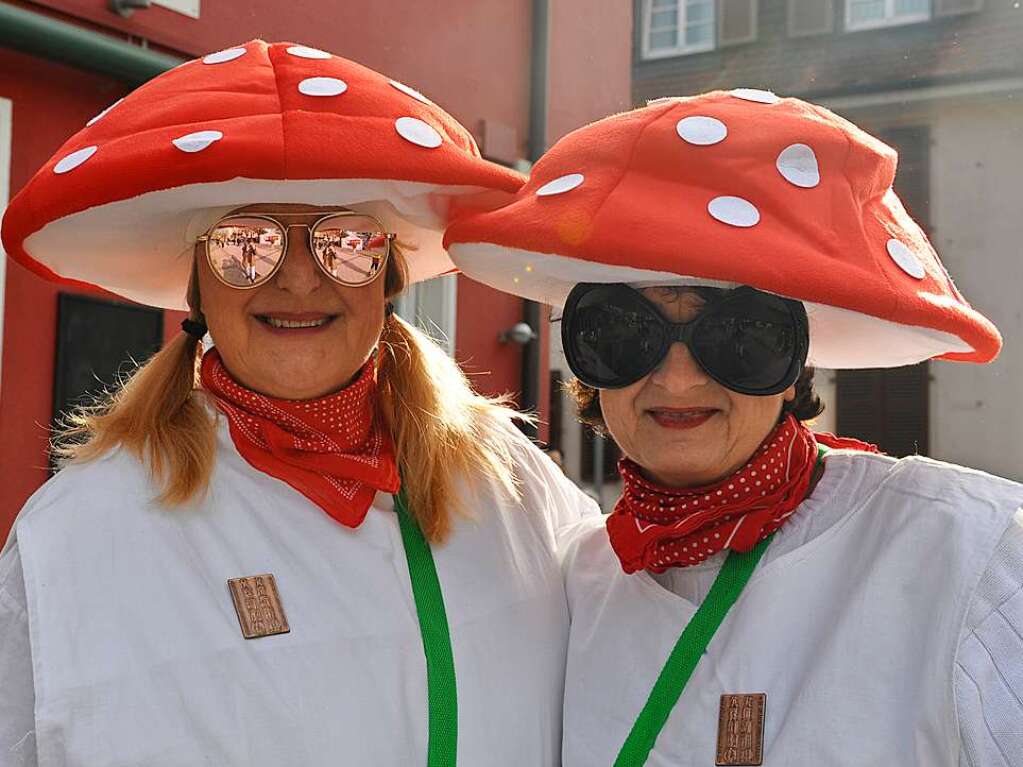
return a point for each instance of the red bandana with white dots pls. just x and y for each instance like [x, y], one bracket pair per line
[654, 527]
[333, 450]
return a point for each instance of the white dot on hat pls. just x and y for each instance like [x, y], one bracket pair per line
[734, 210]
[418, 132]
[196, 142]
[905, 259]
[797, 164]
[102, 114]
[305, 52]
[221, 57]
[73, 160]
[322, 86]
[560, 185]
[755, 94]
[700, 130]
[410, 92]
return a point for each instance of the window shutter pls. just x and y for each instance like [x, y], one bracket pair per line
[810, 17]
[956, 7]
[906, 407]
[737, 21]
[888, 407]
[857, 396]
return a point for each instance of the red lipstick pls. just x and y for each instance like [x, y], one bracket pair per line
[682, 418]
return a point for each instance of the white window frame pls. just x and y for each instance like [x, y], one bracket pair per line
[678, 50]
[432, 306]
[188, 8]
[889, 20]
[6, 114]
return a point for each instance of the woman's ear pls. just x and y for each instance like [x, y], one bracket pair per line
[790, 393]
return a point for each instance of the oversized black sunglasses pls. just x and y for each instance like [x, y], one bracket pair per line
[748, 341]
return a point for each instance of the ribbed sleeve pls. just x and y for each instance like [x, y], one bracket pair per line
[989, 669]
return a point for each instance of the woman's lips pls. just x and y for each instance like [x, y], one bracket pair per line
[682, 418]
[295, 323]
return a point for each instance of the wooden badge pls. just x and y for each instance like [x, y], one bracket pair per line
[258, 606]
[741, 729]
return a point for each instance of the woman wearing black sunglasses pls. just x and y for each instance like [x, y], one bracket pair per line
[761, 594]
[301, 539]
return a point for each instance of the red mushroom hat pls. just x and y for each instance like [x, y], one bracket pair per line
[734, 188]
[120, 204]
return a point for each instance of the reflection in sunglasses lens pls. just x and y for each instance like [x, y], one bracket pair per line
[245, 251]
[746, 351]
[351, 249]
[615, 337]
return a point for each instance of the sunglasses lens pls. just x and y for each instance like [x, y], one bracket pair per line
[245, 251]
[611, 337]
[748, 344]
[352, 249]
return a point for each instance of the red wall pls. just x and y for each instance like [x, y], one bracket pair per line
[471, 56]
[30, 305]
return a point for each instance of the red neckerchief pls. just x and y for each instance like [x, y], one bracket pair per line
[654, 527]
[333, 450]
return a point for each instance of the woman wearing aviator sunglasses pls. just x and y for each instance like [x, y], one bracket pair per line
[761, 594]
[317, 546]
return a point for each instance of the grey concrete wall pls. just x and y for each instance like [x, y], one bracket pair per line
[976, 191]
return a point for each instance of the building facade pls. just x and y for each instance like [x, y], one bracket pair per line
[63, 61]
[942, 82]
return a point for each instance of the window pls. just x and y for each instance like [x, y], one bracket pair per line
[674, 27]
[431, 306]
[870, 14]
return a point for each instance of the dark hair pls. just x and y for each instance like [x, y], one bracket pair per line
[804, 406]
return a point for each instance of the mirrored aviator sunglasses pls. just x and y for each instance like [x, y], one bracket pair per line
[748, 341]
[246, 250]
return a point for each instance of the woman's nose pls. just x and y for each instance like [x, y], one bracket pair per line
[678, 371]
[299, 273]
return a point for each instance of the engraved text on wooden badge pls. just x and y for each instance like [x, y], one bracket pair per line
[741, 729]
[258, 606]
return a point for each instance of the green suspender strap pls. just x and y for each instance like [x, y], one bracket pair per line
[734, 575]
[433, 625]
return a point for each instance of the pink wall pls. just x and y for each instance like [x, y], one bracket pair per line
[590, 63]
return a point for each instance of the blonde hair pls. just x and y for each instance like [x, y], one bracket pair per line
[445, 434]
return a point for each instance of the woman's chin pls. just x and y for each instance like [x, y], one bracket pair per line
[297, 384]
[685, 467]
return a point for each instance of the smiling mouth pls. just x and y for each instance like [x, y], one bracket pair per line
[682, 418]
[295, 324]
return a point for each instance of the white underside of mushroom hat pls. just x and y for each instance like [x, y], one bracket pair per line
[142, 248]
[839, 338]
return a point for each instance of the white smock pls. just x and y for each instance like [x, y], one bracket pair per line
[121, 645]
[884, 623]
